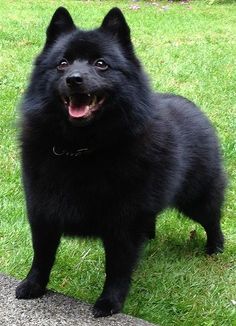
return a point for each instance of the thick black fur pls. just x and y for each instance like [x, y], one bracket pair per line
[145, 152]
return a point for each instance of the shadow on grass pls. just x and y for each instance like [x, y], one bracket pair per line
[224, 2]
[175, 248]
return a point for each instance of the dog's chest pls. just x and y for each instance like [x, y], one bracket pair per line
[86, 184]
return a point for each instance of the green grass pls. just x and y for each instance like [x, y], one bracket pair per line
[189, 50]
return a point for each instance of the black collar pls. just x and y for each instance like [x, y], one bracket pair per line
[58, 151]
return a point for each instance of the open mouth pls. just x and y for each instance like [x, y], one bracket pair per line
[83, 105]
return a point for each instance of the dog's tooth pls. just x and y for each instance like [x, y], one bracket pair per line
[94, 100]
[101, 101]
[66, 100]
[89, 95]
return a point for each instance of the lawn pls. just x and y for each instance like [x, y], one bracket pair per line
[189, 49]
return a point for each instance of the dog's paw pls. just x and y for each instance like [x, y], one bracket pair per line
[105, 307]
[29, 290]
[217, 249]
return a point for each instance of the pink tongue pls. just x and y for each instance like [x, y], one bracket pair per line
[78, 111]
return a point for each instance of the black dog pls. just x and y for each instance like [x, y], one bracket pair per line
[102, 155]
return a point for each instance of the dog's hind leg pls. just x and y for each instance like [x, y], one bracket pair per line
[209, 218]
[207, 212]
[151, 228]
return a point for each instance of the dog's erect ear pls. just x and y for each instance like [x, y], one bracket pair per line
[61, 23]
[115, 23]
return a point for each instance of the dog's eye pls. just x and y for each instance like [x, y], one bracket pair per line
[63, 64]
[101, 64]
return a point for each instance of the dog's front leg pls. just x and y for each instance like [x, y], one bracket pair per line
[121, 256]
[45, 239]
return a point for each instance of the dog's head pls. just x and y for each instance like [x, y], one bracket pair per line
[89, 72]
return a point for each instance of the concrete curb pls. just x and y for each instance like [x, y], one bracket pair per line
[53, 309]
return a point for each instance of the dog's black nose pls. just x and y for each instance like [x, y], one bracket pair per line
[74, 80]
